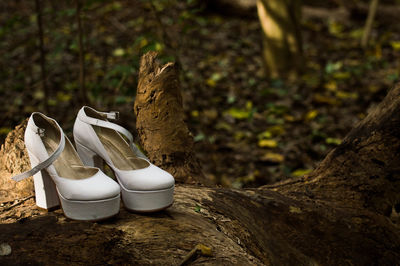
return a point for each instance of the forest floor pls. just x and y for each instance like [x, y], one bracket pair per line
[248, 131]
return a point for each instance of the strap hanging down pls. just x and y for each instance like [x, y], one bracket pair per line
[106, 124]
[46, 163]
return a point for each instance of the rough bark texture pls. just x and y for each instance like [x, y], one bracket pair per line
[130, 239]
[344, 213]
[13, 160]
[282, 44]
[363, 173]
[369, 22]
[160, 121]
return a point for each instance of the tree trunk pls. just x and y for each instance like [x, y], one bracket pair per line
[345, 212]
[160, 121]
[368, 23]
[282, 45]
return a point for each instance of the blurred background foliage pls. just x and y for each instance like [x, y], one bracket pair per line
[249, 130]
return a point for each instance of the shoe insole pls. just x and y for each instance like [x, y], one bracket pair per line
[68, 164]
[119, 151]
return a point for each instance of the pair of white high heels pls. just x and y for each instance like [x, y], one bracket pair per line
[75, 179]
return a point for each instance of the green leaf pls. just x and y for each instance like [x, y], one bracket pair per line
[332, 67]
[273, 157]
[4, 130]
[63, 97]
[239, 113]
[199, 137]
[223, 126]
[51, 102]
[334, 141]
[122, 99]
[356, 34]
[395, 45]
[311, 115]
[342, 75]
[336, 28]
[277, 109]
[267, 143]
[231, 99]
[301, 172]
[265, 135]
[119, 52]
[277, 83]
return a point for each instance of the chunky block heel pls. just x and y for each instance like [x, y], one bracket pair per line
[60, 177]
[45, 190]
[89, 157]
[144, 186]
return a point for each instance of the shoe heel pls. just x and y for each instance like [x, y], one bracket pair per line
[46, 195]
[89, 157]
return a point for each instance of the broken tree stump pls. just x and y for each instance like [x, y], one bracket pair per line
[14, 159]
[160, 121]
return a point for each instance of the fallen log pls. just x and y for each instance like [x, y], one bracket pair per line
[345, 212]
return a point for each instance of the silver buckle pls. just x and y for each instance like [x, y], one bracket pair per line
[113, 115]
[40, 131]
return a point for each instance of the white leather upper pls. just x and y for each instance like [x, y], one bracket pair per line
[96, 187]
[145, 179]
[34, 144]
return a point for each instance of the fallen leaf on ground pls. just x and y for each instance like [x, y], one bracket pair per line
[267, 143]
[273, 157]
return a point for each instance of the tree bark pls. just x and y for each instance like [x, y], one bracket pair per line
[368, 23]
[345, 212]
[160, 121]
[282, 45]
[13, 160]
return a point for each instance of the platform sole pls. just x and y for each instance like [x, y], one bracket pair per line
[147, 201]
[93, 210]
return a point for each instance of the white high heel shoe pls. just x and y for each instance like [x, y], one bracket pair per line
[145, 187]
[59, 175]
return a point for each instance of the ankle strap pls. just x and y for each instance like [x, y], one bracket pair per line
[106, 124]
[46, 163]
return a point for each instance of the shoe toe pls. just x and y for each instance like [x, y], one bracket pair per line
[96, 187]
[106, 187]
[146, 179]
